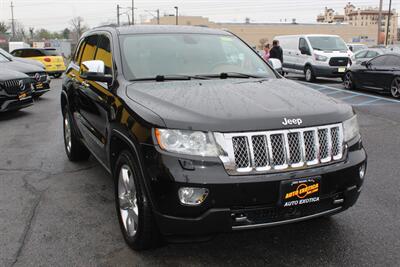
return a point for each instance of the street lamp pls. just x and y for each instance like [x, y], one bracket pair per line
[176, 14]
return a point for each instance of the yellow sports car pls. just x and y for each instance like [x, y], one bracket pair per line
[51, 59]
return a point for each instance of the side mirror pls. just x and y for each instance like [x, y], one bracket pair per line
[275, 63]
[94, 70]
[304, 51]
[366, 64]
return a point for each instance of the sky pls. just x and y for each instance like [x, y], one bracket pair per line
[55, 14]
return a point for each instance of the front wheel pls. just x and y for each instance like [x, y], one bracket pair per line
[348, 81]
[133, 208]
[395, 88]
[309, 74]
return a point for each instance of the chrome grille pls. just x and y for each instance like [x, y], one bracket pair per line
[271, 151]
[242, 156]
[12, 87]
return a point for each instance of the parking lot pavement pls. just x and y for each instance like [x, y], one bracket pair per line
[57, 213]
[335, 89]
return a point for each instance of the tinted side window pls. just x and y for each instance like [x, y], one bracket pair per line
[89, 49]
[393, 61]
[103, 53]
[78, 52]
[16, 53]
[303, 44]
[361, 54]
[31, 53]
[372, 54]
[379, 61]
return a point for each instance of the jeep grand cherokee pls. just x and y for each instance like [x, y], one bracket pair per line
[203, 136]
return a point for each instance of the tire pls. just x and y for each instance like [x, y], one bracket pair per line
[309, 74]
[134, 211]
[75, 150]
[348, 81]
[57, 75]
[395, 88]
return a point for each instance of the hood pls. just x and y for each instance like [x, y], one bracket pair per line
[237, 105]
[6, 75]
[29, 61]
[20, 66]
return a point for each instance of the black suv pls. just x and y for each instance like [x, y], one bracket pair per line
[202, 136]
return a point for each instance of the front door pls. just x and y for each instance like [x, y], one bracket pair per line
[94, 98]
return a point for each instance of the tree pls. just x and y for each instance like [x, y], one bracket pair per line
[66, 33]
[3, 27]
[77, 28]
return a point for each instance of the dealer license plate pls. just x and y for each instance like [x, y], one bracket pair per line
[342, 69]
[300, 191]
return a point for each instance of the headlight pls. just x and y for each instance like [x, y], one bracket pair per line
[350, 128]
[187, 142]
[321, 58]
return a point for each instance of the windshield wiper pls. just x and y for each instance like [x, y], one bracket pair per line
[174, 77]
[226, 75]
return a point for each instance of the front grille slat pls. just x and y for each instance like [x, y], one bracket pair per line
[12, 87]
[286, 149]
[339, 61]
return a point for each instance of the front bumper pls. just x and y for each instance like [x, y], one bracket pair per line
[328, 71]
[9, 102]
[242, 202]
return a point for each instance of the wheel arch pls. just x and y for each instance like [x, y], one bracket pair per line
[63, 99]
[119, 142]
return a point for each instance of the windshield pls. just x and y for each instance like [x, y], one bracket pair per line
[149, 55]
[3, 58]
[327, 43]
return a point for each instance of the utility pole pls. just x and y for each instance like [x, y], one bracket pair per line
[388, 22]
[176, 14]
[133, 12]
[118, 15]
[12, 20]
[158, 16]
[379, 22]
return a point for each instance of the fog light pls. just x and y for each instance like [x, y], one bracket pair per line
[362, 170]
[192, 196]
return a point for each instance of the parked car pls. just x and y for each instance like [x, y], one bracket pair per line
[381, 73]
[15, 90]
[367, 54]
[53, 61]
[356, 47]
[41, 83]
[314, 55]
[18, 59]
[206, 142]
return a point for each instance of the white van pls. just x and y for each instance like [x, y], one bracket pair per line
[315, 55]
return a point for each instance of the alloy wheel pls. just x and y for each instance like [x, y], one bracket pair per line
[348, 82]
[128, 204]
[395, 88]
[308, 74]
[67, 134]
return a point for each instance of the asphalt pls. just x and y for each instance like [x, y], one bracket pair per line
[57, 213]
